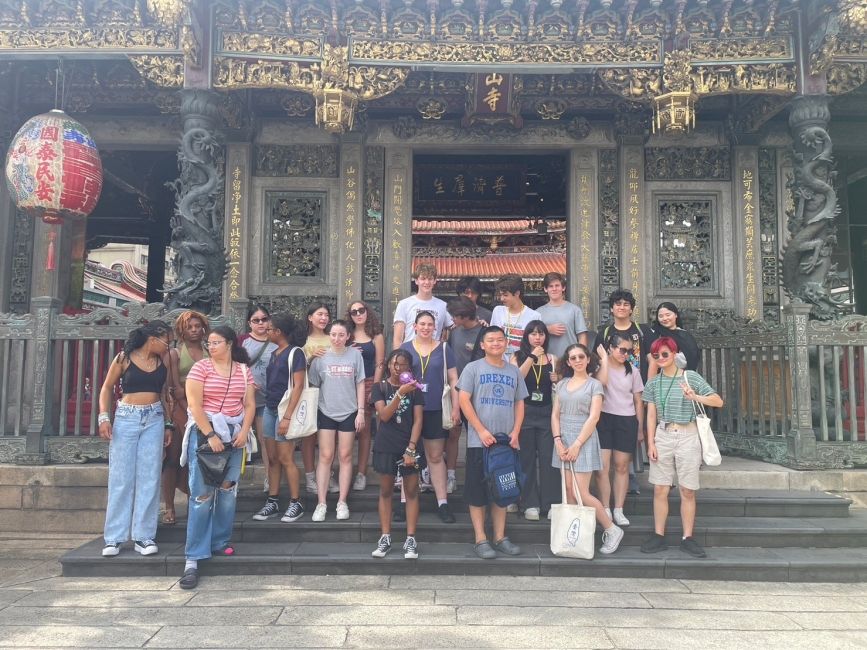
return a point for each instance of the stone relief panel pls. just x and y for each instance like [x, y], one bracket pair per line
[295, 225]
[303, 160]
[22, 259]
[686, 243]
[374, 188]
[296, 305]
[687, 164]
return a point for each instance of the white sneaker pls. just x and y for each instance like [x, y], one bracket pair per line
[512, 507]
[319, 513]
[342, 510]
[332, 485]
[360, 482]
[611, 539]
[619, 518]
[410, 549]
[451, 485]
[531, 514]
[111, 550]
[383, 546]
[312, 488]
[146, 547]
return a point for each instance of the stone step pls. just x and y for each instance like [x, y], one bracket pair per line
[711, 531]
[319, 558]
[711, 503]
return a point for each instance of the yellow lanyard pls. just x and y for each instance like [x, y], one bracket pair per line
[424, 362]
[537, 374]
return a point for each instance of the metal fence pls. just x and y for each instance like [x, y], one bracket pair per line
[794, 393]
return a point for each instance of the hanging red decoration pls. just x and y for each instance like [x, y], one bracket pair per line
[53, 168]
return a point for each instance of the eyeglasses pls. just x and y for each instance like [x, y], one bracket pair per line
[361, 311]
[259, 321]
[663, 355]
[212, 344]
[624, 350]
[578, 357]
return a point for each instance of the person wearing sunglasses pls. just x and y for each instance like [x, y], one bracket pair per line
[574, 414]
[366, 336]
[673, 445]
[137, 438]
[259, 348]
[668, 323]
[620, 421]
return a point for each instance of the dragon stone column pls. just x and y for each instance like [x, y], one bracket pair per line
[200, 262]
[807, 269]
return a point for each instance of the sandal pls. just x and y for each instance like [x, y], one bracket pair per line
[169, 518]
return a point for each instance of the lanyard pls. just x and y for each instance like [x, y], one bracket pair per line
[667, 393]
[509, 320]
[424, 362]
[537, 374]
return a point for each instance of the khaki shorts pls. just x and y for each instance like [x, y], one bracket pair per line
[679, 454]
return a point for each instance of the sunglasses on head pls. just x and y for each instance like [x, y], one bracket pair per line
[661, 355]
[259, 321]
[360, 311]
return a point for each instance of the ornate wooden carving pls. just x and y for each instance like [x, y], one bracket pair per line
[303, 160]
[687, 164]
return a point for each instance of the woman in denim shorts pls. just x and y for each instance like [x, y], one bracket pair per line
[136, 439]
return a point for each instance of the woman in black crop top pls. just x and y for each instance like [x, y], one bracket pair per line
[537, 366]
[136, 438]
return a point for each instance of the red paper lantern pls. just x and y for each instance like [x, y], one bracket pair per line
[53, 169]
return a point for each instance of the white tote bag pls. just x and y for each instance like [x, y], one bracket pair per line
[446, 400]
[709, 449]
[303, 422]
[573, 527]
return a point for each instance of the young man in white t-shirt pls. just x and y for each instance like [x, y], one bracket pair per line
[425, 277]
[513, 315]
[565, 320]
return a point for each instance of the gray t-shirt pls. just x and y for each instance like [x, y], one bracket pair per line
[337, 376]
[494, 392]
[253, 347]
[462, 341]
[572, 317]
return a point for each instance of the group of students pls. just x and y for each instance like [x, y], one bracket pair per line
[528, 374]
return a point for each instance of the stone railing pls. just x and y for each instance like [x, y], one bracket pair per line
[53, 366]
[795, 393]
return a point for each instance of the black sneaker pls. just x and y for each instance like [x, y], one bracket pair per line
[293, 513]
[690, 546]
[410, 549]
[383, 546]
[654, 544]
[445, 514]
[111, 550]
[399, 513]
[146, 547]
[268, 510]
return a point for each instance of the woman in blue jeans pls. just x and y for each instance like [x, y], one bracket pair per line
[136, 439]
[222, 399]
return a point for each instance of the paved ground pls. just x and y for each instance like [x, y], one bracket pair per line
[40, 609]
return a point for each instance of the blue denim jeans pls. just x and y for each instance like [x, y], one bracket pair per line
[212, 510]
[135, 457]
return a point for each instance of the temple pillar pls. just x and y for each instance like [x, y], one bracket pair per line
[583, 224]
[747, 233]
[197, 226]
[351, 222]
[633, 224]
[397, 260]
[238, 233]
[801, 439]
[807, 265]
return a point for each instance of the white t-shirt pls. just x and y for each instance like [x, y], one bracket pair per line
[408, 308]
[513, 325]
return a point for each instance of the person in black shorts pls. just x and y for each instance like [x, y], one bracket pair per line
[400, 409]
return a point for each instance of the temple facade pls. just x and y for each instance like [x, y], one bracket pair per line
[708, 152]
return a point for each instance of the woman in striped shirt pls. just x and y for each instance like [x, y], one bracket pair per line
[222, 399]
[672, 442]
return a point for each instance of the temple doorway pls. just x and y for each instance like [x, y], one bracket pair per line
[488, 215]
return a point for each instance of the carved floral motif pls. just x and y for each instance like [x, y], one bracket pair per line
[687, 163]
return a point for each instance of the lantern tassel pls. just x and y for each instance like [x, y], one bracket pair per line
[50, 264]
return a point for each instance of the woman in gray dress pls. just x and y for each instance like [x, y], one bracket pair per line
[575, 412]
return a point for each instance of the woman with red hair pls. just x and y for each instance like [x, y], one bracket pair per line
[673, 445]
